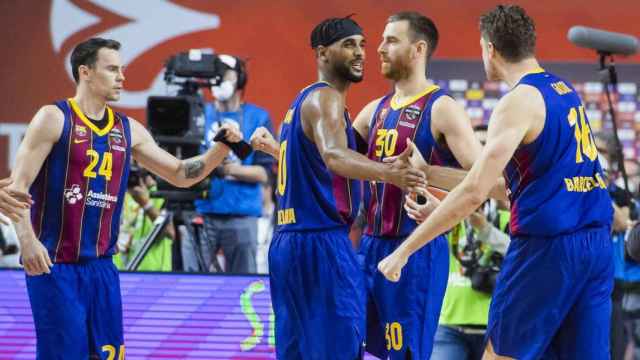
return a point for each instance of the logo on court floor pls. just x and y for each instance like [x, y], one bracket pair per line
[73, 195]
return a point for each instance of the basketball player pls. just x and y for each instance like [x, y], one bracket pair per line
[75, 156]
[317, 287]
[401, 326]
[552, 299]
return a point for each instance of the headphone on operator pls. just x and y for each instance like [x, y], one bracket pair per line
[237, 64]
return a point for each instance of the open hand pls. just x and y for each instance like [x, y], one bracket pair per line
[402, 174]
[419, 212]
[35, 258]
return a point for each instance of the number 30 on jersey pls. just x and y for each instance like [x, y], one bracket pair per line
[386, 140]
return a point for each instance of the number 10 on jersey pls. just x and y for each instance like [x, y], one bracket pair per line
[282, 168]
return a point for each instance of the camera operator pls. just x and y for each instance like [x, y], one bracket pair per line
[234, 201]
[138, 215]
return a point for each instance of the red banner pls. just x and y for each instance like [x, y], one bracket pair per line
[38, 37]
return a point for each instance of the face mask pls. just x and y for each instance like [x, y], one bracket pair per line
[224, 91]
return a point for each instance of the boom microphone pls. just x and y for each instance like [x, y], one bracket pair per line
[606, 42]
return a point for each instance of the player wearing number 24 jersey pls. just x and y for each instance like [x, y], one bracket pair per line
[75, 159]
[553, 294]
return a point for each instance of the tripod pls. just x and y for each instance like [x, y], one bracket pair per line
[609, 76]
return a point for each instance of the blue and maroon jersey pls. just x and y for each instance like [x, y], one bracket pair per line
[309, 196]
[80, 189]
[391, 125]
[556, 182]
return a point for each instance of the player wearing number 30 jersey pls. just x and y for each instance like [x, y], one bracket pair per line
[553, 295]
[401, 326]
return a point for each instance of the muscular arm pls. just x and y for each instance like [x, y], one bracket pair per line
[449, 120]
[512, 120]
[180, 173]
[323, 122]
[43, 132]
[447, 178]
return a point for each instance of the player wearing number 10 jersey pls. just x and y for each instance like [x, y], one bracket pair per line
[77, 171]
[553, 295]
[317, 287]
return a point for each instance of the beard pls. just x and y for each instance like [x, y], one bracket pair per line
[396, 70]
[343, 70]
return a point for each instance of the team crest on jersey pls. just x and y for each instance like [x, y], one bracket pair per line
[73, 195]
[81, 131]
[412, 112]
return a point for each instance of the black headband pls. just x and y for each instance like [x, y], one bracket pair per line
[332, 30]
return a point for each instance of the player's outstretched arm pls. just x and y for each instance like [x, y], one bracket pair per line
[42, 133]
[180, 173]
[447, 178]
[450, 120]
[323, 122]
[510, 122]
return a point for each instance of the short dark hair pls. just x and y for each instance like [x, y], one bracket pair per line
[511, 31]
[420, 28]
[333, 29]
[86, 53]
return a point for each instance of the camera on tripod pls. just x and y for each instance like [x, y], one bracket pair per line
[176, 122]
